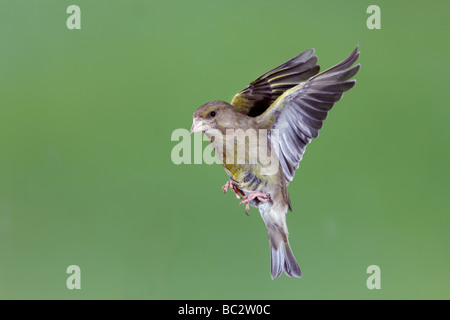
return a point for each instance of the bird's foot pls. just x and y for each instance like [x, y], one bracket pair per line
[261, 196]
[235, 189]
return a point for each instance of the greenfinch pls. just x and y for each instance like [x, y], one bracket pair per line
[288, 104]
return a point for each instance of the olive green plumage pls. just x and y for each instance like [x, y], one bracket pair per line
[290, 103]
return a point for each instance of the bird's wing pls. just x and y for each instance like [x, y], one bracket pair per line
[262, 92]
[299, 113]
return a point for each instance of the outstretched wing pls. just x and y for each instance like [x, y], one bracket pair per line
[262, 92]
[299, 113]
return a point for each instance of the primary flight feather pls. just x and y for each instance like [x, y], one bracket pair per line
[289, 105]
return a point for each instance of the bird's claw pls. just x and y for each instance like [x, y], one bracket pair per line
[261, 196]
[226, 186]
[235, 189]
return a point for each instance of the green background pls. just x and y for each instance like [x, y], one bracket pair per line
[86, 176]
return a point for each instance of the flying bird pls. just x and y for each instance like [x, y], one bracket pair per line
[290, 103]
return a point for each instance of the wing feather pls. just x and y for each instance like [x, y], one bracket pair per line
[299, 113]
[262, 92]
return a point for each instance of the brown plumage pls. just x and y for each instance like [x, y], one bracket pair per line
[289, 103]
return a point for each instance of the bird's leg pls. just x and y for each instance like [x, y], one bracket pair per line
[235, 189]
[261, 196]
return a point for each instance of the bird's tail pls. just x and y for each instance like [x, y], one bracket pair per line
[281, 255]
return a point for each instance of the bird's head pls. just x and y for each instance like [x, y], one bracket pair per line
[212, 115]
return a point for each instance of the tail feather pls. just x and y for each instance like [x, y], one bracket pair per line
[281, 256]
[282, 259]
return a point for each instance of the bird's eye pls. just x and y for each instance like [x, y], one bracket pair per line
[212, 114]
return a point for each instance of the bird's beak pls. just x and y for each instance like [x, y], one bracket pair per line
[197, 126]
